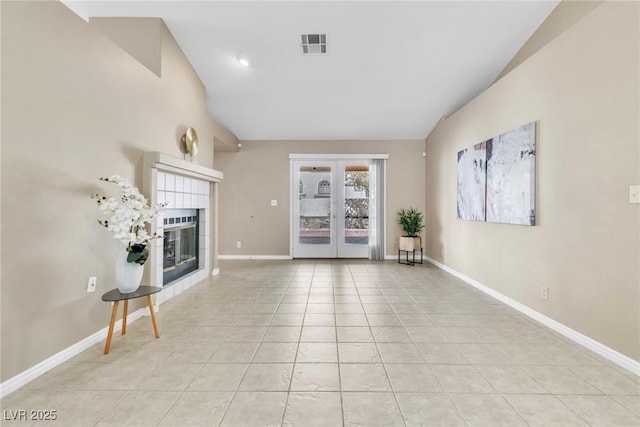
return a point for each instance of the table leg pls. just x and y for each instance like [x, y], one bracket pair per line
[153, 316]
[124, 317]
[114, 312]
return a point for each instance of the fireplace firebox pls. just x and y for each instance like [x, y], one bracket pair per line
[180, 243]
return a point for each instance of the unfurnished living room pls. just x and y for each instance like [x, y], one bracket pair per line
[316, 213]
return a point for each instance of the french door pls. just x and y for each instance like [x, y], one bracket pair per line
[330, 208]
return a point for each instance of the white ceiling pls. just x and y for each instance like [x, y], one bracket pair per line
[393, 69]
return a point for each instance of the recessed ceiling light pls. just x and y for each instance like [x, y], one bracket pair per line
[243, 60]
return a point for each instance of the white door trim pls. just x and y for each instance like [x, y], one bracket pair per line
[303, 156]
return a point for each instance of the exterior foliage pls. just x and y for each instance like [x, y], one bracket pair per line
[357, 214]
[357, 209]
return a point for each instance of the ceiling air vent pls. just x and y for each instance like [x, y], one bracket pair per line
[314, 44]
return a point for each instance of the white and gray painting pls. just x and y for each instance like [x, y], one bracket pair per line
[472, 175]
[510, 185]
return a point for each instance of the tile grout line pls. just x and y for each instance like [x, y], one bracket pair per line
[235, 393]
[375, 342]
[447, 393]
[295, 358]
[335, 317]
[106, 412]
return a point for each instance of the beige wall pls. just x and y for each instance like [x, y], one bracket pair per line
[259, 173]
[565, 14]
[140, 37]
[583, 89]
[75, 106]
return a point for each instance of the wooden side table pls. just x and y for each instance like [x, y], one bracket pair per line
[116, 296]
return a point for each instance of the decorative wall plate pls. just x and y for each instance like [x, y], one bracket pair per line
[191, 141]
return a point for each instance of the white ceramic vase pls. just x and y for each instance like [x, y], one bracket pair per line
[128, 274]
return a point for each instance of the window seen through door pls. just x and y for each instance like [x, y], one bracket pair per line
[324, 188]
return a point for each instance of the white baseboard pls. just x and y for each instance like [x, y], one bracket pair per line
[593, 345]
[272, 257]
[25, 377]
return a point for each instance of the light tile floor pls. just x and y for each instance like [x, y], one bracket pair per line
[332, 343]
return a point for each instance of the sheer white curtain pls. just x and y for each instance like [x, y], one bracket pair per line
[376, 209]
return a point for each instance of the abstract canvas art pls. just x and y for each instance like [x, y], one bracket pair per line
[472, 175]
[511, 176]
[496, 178]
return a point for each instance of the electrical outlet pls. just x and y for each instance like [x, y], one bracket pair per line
[91, 284]
[634, 194]
[238, 244]
[544, 292]
[274, 203]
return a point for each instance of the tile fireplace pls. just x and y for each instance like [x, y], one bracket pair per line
[187, 252]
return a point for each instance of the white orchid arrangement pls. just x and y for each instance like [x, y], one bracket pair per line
[128, 217]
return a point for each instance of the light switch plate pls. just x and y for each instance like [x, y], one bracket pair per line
[274, 203]
[634, 194]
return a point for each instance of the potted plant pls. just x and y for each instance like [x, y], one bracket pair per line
[411, 222]
[128, 218]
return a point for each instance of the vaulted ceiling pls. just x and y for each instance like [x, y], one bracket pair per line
[391, 71]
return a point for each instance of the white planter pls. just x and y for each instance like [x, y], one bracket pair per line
[128, 274]
[410, 243]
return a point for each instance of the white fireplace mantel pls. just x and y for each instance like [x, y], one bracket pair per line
[166, 162]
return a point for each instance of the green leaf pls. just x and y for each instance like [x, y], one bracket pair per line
[137, 254]
[411, 221]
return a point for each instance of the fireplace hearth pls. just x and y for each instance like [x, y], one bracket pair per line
[181, 239]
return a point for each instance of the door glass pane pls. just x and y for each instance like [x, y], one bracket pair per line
[356, 205]
[315, 205]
